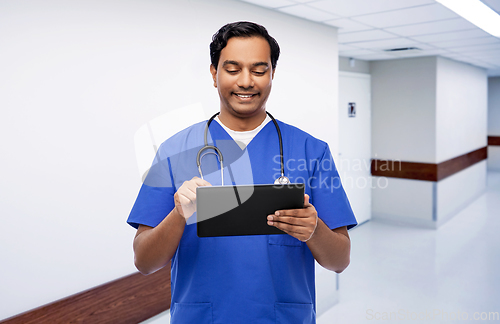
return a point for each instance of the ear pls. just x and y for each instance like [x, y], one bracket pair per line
[272, 74]
[213, 71]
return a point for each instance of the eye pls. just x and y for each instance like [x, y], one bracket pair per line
[232, 71]
[259, 73]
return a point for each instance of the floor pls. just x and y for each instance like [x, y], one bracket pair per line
[425, 276]
[401, 273]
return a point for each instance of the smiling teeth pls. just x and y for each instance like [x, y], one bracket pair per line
[244, 96]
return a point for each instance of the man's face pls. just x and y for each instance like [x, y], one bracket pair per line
[244, 76]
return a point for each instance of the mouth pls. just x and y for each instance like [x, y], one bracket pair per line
[245, 96]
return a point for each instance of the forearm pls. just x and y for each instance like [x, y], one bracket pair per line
[155, 247]
[330, 248]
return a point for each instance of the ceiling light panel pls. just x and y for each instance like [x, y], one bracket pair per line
[364, 36]
[346, 25]
[270, 3]
[308, 13]
[349, 8]
[434, 27]
[408, 16]
[477, 13]
[493, 4]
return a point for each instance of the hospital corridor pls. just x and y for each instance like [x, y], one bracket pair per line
[399, 272]
[250, 161]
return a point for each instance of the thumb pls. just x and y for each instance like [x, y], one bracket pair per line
[306, 200]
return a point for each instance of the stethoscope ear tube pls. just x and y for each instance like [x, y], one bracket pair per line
[284, 180]
[219, 157]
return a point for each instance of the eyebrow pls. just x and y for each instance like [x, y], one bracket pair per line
[230, 62]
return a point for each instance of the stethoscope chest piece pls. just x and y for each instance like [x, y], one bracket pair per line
[282, 180]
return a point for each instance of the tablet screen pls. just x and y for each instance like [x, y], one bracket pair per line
[243, 210]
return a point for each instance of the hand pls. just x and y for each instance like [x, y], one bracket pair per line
[300, 223]
[185, 197]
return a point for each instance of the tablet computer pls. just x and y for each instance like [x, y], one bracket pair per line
[243, 210]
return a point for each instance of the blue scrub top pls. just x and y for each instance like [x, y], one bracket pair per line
[243, 279]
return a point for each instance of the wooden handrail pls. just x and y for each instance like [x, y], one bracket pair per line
[427, 171]
[127, 300]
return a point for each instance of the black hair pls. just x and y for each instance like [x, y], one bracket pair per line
[241, 29]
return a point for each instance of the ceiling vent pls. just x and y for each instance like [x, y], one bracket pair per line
[404, 51]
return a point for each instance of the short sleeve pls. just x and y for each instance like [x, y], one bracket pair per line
[328, 195]
[152, 205]
[156, 197]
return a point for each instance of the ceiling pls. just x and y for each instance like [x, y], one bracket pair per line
[368, 28]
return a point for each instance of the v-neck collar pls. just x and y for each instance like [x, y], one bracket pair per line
[226, 135]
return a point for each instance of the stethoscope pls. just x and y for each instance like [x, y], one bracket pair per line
[281, 180]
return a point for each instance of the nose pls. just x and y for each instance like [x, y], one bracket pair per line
[245, 80]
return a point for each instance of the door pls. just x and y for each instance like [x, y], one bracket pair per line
[354, 157]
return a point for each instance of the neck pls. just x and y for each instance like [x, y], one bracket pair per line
[240, 124]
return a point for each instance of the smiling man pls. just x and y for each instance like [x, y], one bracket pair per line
[243, 77]
[254, 278]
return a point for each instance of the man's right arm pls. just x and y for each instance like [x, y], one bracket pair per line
[154, 247]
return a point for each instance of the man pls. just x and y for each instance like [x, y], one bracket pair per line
[242, 279]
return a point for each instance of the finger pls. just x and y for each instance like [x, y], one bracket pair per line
[186, 199]
[291, 230]
[299, 212]
[200, 182]
[287, 228]
[306, 200]
[188, 188]
[294, 221]
[195, 183]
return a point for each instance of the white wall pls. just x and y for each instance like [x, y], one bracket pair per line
[494, 122]
[403, 201]
[403, 109]
[353, 161]
[457, 191]
[461, 124]
[494, 106]
[461, 109]
[77, 81]
[428, 109]
[494, 158]
[360, 66]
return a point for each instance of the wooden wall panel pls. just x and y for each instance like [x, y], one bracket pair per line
[427, 171]
[493, 140]
[128, 300]
[452, 166]
[404, 170]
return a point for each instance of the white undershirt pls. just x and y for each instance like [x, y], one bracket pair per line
[243, 138]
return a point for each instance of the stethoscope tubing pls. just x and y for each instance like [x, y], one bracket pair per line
[218, 153]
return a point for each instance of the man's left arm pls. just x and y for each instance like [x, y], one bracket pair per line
[331, 248]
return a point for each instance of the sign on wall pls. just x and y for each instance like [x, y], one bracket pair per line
[351, 109]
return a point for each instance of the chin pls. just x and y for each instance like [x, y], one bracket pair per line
[246, 112]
